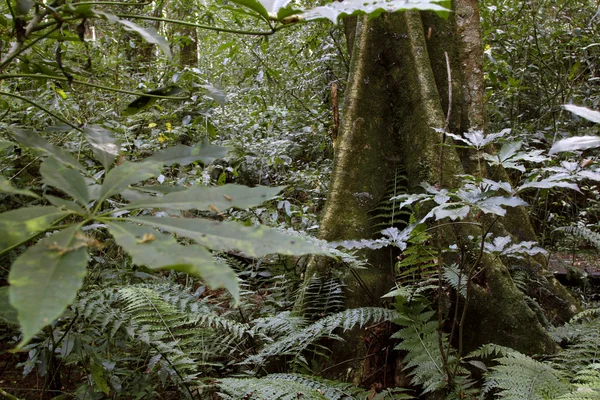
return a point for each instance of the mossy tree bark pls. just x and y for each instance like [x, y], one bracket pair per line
[397, 93]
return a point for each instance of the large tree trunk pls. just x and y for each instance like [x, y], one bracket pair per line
[397, 93]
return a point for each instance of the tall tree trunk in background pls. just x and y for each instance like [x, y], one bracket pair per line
[188, 53]
[397, 93]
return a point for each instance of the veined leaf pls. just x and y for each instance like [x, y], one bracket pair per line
[7, 312]
[69, 181]
[584, 112]
[7, 187]
[103, 143]
[335, 10]
[45, 279]
[252, 241]
[17, 225]
[125, 174]
[184, 155]
[33, 140]
[149, 34]
[575, 143]
[159, 251]
[211, 198]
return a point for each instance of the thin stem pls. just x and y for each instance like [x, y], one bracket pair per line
[202, 26]
[94, 85]
[8, 395]
[19, 48]
[111, 3]
[33, 103]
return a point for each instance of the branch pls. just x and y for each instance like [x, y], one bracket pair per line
[33, 103]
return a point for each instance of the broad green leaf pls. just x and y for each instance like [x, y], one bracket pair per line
[373, 8]
[162, 189]
[575, 143]
[5, 144]
[64, 178]
[45, 279]
[7, 187]
[252, 241]
[211, 198]
[7, 312]
[65, 204]
[33, 140]
[216, 94]
[255, 6]
[17, 225]
[159, 251]
[184, 155]
[584, 112]
[104, 145]
[98, 376]
[149, 34]
[121, 177]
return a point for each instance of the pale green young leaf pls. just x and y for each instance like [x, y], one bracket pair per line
[33, 140]
[184, 155]
[7, 187]
[5, 144]
[17, 225]
[7, 312]
[156, 250]
[149, 34]
[121, 177]
[211, 198]
[103, 143]
[45, 279]
[255, 241]
[64, 178]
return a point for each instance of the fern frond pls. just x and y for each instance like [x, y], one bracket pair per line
[519, 377]
[321, 296]
[285, 387]
[584, 233]
[296, 342]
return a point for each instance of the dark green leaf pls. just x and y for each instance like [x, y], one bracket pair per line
[144, 102]
[159, 251]
[7, 187]
[104, 145]
[184, 155]
[33, 140]
[69, 181]
[211, 198]
[252, 241]
[255, 6]
[149, 34]
[7, 312]
[18, 225]
[125, 174]
[65, 204]
[45, 279]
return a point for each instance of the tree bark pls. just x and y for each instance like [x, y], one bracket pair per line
[397, 93]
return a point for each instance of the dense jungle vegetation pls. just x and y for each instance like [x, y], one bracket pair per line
[296, 199]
